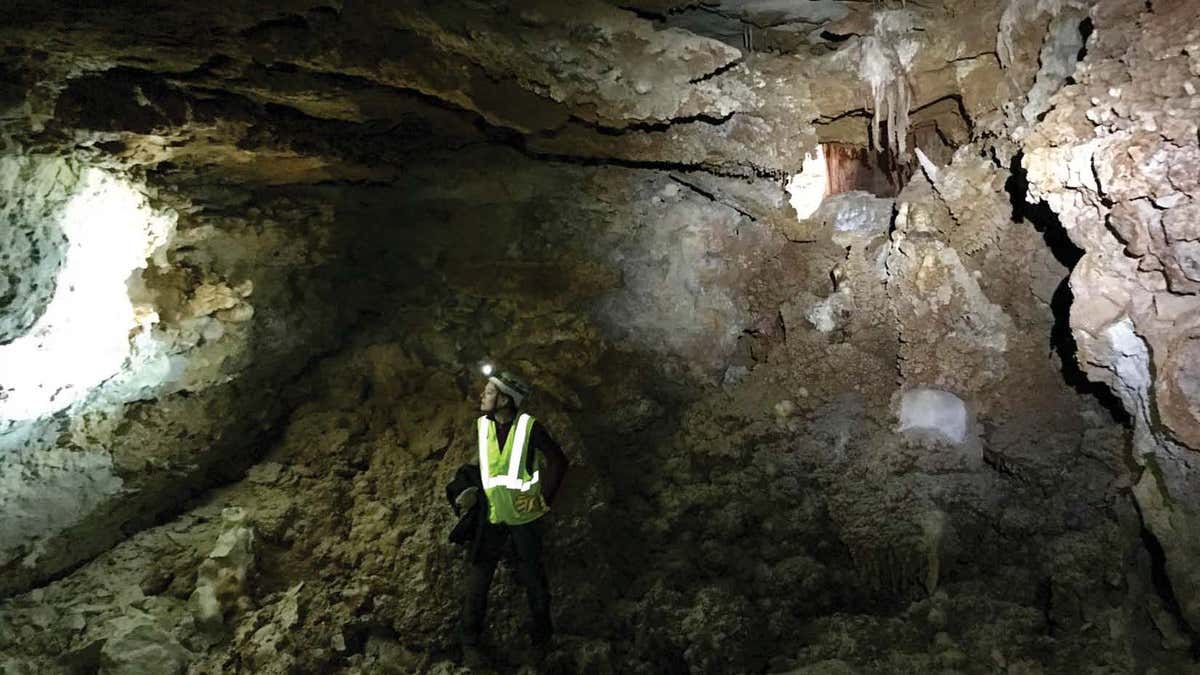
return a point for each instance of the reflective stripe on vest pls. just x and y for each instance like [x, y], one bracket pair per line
[514, 496]
[519, 438]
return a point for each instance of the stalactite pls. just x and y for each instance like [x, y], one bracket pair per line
[886, 57]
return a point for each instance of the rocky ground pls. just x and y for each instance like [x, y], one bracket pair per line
[946, 427]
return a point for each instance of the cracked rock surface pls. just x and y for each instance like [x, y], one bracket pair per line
[1117, 159]
[33, 241]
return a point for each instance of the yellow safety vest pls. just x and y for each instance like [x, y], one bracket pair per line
[514, 495]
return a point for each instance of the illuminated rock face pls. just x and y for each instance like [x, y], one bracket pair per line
[48, 491]
[935, 412]
[31, 239]
[80, 341]
[807, 189]
[82, 338]
[80, 234]
[857, 424]
[87, 443]
[1118, 159]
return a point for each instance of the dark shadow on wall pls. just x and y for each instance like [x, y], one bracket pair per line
[1161, 582]
[1046, 222]
[1085, 31]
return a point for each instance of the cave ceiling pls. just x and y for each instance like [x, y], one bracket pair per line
[351, 90]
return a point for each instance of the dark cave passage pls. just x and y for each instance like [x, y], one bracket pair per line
[1161, 583]
[1061, 341]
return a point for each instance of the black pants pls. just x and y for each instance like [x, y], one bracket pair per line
[527, 544]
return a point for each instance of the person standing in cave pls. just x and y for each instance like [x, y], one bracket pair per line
[504, 499]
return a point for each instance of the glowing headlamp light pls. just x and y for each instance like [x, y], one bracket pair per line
[487, 369]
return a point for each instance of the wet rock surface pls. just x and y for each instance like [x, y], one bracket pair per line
[861, 442]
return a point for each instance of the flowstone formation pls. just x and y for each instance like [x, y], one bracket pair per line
[942, 420]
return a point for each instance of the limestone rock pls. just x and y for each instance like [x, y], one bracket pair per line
[854, 217]
[33, 245]
[1110, 159]
[936, 283]
[139, 646]
[368, 198]
[221, 579]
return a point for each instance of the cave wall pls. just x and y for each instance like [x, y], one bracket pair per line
[842, 440]
[792, 432]
[387, 411]
[1116, 158]
[196, 394]
[36, 193]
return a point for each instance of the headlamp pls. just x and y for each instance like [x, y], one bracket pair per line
[505, 381]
